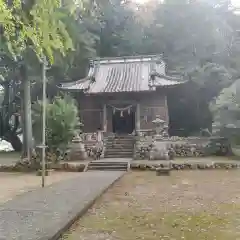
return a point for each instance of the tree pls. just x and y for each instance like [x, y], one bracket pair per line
[62, 120]
[198, 42]
[83, 27]
[30, 29]
[120, 32]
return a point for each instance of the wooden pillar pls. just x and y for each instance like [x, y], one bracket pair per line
[138, 127]
[104, 118]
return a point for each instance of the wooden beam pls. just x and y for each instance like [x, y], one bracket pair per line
[104, 118]
[90, 110]
[138, 118]
[121, 101]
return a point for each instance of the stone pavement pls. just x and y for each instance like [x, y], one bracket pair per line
[43, 213]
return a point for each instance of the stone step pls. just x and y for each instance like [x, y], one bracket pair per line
[126, 142]
[118, 155]
[108, 166]
[113, 155]
[106, 169]
[129, 145]
[118, 150]
[121, 137]
[119, 146]
[107, 163]
[119, 143]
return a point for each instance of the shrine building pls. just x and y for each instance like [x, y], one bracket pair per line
[123, 95]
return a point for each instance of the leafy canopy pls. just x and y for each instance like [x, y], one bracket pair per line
[37, 25]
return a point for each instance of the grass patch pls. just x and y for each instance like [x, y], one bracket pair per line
[187, 205]
[9, 158]
[10, 154]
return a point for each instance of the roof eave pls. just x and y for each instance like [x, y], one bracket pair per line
[72, 89]
[122, 92]
[170, 85]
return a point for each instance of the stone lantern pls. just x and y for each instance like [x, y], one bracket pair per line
[159, 126]
[160, 149]
[77, 147]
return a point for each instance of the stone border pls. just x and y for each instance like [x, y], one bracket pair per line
[14, 168]
[64, 167]
[185, 166]
[68, 167]
[80, 214]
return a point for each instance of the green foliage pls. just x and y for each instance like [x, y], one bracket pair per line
[226, 113]
[198, 39]
[30, 32]
[61, 122]
[210, 79]
[82, 27]
[34, 24]
[226, 107]
[218, 147]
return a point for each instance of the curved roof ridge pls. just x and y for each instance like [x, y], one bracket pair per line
[123, 59]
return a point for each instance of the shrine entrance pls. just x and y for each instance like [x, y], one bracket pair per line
[123, 122]
[123, 119]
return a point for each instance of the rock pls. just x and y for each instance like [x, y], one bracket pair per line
[165, 171]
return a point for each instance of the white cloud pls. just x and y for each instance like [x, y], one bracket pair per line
[236, 3]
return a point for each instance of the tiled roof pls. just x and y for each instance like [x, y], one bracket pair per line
[129, 74]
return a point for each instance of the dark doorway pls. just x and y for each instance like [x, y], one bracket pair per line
[123, 122]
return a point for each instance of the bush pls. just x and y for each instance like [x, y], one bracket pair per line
[61, 123]
[226, 113]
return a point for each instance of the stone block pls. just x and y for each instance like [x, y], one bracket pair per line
[163, 171]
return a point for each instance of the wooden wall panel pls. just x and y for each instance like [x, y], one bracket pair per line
[152, 105]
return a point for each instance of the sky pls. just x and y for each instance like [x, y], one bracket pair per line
[236, 3]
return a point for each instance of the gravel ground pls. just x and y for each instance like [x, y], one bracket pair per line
[201, 205]
[13, 184]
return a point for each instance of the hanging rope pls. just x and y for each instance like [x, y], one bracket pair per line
[128, 108]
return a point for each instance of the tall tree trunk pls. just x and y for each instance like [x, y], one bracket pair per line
[27, 120]
[24, 138]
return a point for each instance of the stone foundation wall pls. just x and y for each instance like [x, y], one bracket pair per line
[185, 166]
[177, 147]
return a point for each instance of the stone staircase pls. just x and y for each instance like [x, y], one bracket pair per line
[119, 146]
[107, 166]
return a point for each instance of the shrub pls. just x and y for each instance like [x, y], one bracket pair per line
[226, 113]
[61, 123]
